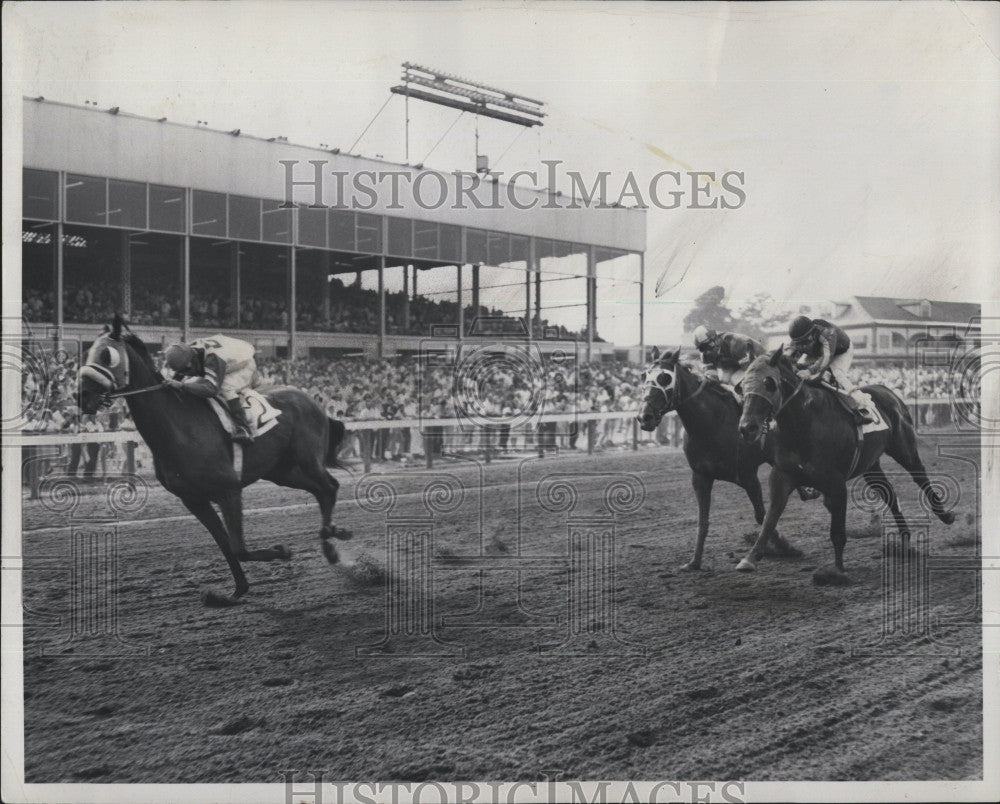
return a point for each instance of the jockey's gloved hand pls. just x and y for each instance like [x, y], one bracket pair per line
[806, 374]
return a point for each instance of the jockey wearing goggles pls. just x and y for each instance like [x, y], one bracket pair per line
[216, 366]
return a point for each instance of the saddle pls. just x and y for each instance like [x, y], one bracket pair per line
[261, 414]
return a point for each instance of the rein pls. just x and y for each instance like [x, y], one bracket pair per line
[146, 390]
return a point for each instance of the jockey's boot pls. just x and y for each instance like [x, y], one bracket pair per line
[861, 416]
[243, 435]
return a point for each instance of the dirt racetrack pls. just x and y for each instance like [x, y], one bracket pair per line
[758, 676]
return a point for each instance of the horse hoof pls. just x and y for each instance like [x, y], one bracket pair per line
[947, 517]
[333, 532]
[746, 565]
[691, 566]
[830, 576]
[330, 552]
[283, 553]
[214, 600]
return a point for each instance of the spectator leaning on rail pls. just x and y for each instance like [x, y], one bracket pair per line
[820, 345]
[726, 355]
[219, 365]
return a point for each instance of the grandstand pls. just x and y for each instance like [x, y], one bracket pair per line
[187, 231]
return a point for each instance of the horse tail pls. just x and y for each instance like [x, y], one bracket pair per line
[335, 438]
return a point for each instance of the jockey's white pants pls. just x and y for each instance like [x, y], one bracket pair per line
[731, 376]
[238, 381]
[839, 367]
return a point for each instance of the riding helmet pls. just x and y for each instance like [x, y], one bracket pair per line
[178, 356]
[703, 335]
[800, 327]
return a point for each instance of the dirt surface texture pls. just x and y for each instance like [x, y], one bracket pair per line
[501, 622]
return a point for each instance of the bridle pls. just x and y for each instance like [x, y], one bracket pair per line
[669, 388]
[772, 413]
[103, 377]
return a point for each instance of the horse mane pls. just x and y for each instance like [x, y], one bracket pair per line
[139, 346]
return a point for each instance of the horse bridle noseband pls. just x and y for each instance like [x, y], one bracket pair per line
[774, 413]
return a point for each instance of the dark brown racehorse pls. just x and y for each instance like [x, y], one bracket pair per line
[816, 444]
[710, 415]
[193, 455]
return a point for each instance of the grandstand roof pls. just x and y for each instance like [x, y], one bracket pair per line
[884, 308]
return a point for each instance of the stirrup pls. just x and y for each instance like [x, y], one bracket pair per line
[242, 435]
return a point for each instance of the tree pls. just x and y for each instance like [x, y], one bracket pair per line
[761, 314]
[709, 310]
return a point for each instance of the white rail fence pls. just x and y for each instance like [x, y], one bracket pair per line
[439, 437]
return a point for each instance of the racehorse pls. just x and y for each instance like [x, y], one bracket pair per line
[816, 443]
[193, 455]
[710, 415]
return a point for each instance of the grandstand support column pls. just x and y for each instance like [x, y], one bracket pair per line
[538, 301]
[475, 290]
[461, 312]
[642, 308]
[57, 266]
[531, 266]
[290, 296]
[186, 288]
[591, 301]
[234, 281]
[325, 256]
[381, 305]
[125, 252]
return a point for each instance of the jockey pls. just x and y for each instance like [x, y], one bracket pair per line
[725, 356]
[820, 345]
[216, 366]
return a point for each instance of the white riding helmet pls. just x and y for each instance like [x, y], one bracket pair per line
[704, 335]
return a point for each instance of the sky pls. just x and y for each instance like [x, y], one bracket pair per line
[867, 133]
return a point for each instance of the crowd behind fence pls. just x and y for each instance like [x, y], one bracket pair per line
[406, 410]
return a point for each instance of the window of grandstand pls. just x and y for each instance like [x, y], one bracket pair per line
[167, 208]
[157, 266]
[368, 233]
[263, 286]
[208, 213]
[277, 222]
[126, 204]
[40, 195]
[92, 274]
[859, 342]
[495, 287]
[244, 217]
[86, 199]
[341, 231]
[312, 226]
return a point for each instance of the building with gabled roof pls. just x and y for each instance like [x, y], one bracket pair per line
[883, 327]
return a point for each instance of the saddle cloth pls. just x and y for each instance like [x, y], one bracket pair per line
[865, 401]
[261, 414]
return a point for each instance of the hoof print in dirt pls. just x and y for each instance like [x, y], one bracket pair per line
[277, 681]
[703, 693]
[420, 772]
[237, 725]
[830, 577]
[641, 739]
[397, 691]
[947, 703]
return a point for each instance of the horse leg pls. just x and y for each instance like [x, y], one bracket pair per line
[231, 504]
[318, 482]
[836, 503]
[903, 450]
[751, 485]
[781, 485]
[207, 516]
[876, 478]
[703, 491]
